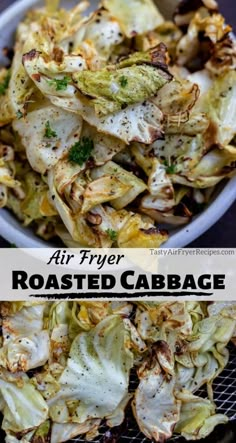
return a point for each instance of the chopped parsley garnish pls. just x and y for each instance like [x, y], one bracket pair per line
[60, 83]
[49, 133]
[81, 151]
[19, 115]
[5, 83]
[112, 234]
[123, 81]
[170, 168]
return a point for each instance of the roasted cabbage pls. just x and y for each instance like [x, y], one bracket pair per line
[66, 367]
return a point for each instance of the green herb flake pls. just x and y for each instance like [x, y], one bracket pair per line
[19, 115]
[60, 83]
[170, 168]
[112, 234]
[123, 81]
[81, 151]
[49, 133]
[4, 85]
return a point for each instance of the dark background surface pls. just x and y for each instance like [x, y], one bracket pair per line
[222, 234]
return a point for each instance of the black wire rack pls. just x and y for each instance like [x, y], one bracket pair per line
[224, 388]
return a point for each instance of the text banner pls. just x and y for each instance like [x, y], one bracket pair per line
[153, 274]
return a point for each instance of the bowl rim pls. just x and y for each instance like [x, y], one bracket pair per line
[18, 6]
[185, 235]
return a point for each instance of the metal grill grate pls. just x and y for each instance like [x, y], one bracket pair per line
[224, 397]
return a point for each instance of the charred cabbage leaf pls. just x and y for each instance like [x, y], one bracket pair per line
[220, 103]
[43, 152]
[192, 164]
[24, 407]
[97, 38]
[25, 341]
[136, 79]
[197, 417]
[156, 393]
[7, 173]
[95, 369]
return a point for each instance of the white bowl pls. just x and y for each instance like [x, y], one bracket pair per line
[13, 231]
